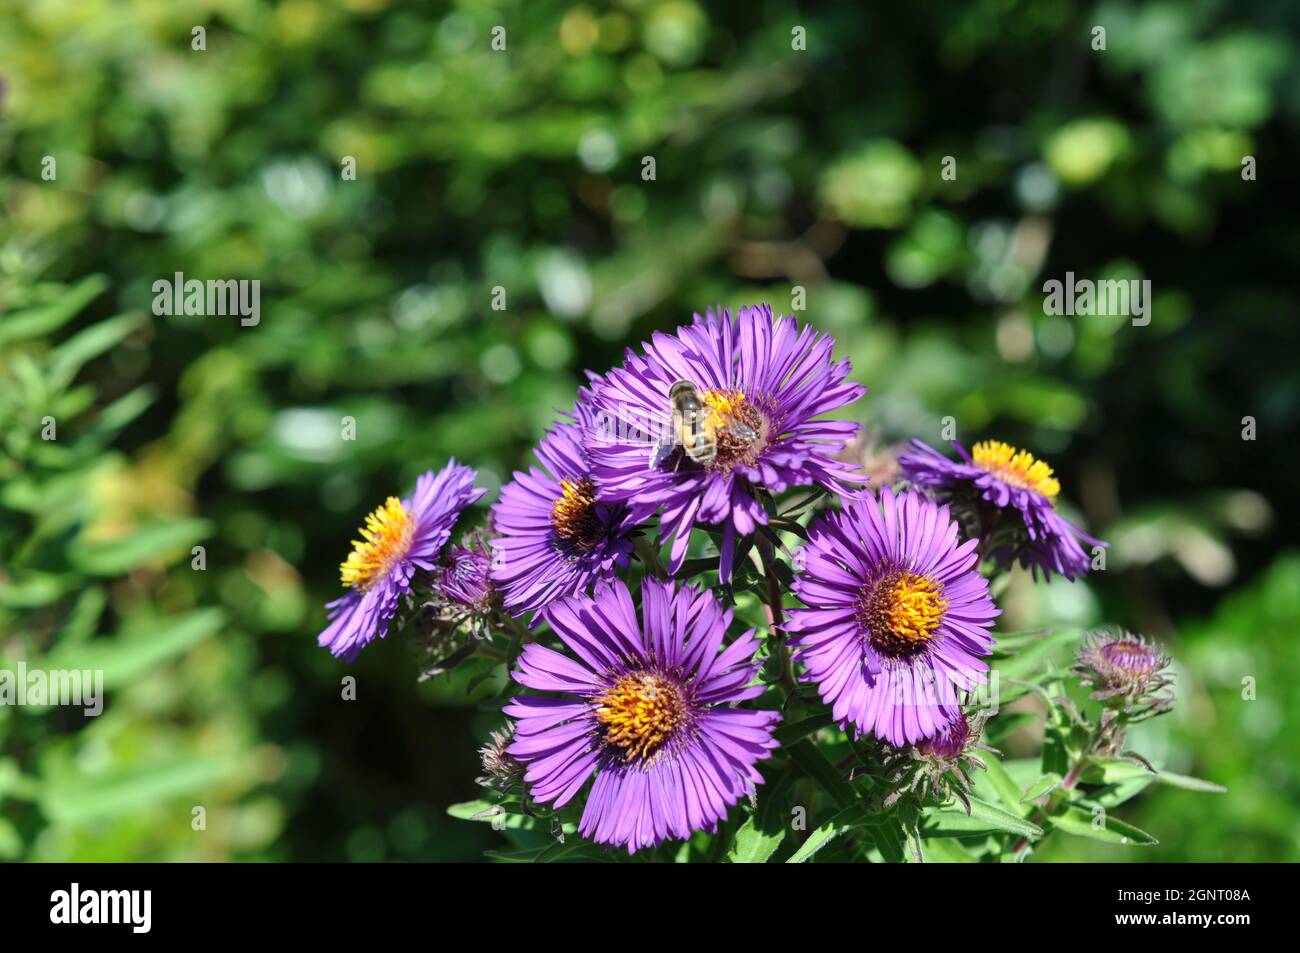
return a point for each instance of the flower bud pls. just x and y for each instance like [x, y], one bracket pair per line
[1124, 670]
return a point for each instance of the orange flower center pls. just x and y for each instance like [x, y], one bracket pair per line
[574, 516]
[641, 713]
[1016, 467]
[901, 612]
[386, 540]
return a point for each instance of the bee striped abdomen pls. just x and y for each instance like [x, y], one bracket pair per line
[692, 423]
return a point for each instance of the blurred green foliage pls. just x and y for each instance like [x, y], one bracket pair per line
[522, 169]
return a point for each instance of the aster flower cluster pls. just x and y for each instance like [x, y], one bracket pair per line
[713, 602]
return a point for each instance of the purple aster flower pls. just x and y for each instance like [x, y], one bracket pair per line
[399, 537]
[554, 538]
[897, 616]
[757, 384]
[647, 708]
[1010, 498]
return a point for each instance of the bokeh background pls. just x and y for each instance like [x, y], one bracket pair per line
[523, 169]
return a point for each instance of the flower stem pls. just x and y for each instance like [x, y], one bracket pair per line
[776, 612]
[648, 553]
[1067, 784]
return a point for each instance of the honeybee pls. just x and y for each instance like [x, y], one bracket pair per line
[697, 429]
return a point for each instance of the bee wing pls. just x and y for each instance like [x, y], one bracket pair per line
[660, 453]
[741, 431]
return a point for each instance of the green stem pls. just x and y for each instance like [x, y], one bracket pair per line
[649, 556]
[775, 610]
[1068, 783]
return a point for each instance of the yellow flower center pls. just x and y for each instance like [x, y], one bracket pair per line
[726, 405]
[574, 515]
[739, 427]
[641, 712]
[901, 612]
[387, 538]
[1015, 467]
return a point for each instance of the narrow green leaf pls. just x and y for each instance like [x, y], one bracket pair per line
[1113, 771]
[529, 856]
[510, 816]
[1034, 656]
[822, 835]
[1118, 770]
[117, 415]
[121, 555]
[479, 810]
[890, 839]
[1113, 795]
[1007, 790]
[124, 658]
[815, 764]
[68, 357]
[84, 616]
[788, 734]
[983, 817]
[11, 844]
[569, 845]
[1191, 784]
[33, 589]
[947, 850]
[1103, 827]
[1043, 786]
[40, 321]
[82, 800]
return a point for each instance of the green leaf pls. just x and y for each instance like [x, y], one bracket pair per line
[1043, 786]
[1191, 784]
[124, 658]
[33, 590]
[1010, 689]
[1037, 655]
[479, 810]
[1113, 771]
[1056, 757]
[845, 820]
[1113, 795]
[1118, 770]
[1008, 791]
[559, 849]
[889, 837]
[488, 811]
[11, 844]
[815, 764]
[983, 817]
[1103, 827]
[84, 616]
[82, 799]
[788, 734]
[948, 850]
[69, 357]
[530, 855]
[118, 414]
[40, 321]
[121, 555]
[752, 845]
